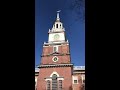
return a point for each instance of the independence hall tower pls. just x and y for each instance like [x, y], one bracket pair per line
[56, 69]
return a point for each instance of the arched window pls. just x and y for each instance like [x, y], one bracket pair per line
[54, 82]
[56, 25]
[54, 49]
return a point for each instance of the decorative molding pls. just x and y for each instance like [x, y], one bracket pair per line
[55, 54]
[52, 43]
[54, 73]
[55, 65]
[56, 31]
[48, 79]
[60, 79]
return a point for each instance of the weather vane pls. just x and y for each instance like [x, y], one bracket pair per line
[58, 15]
[58, 11]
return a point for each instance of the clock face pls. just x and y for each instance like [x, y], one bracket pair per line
[56, 37]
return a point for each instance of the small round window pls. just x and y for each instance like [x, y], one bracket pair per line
[55, 59]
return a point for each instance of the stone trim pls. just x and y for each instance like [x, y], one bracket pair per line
[55, 65]
[55, 54]
[50, 78]
[56, 31]
[59, 43]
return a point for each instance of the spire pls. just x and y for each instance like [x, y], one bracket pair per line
[58, 18]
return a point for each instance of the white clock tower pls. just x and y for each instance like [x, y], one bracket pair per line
[57, 33]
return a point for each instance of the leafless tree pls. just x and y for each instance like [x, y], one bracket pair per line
[78, 6]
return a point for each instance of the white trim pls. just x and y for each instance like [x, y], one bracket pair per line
[52, 45]
[35, 81]
[54, 57]
[54, 73]
[75, 78]
[48, 79]
[59, 43]
[60, 79]
[83, 78]
[78, 72]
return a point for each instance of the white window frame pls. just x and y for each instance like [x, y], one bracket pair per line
[75, 78]
[56, 48]
[55, 57]
[83, 78]
[36, 81]
[50, 79]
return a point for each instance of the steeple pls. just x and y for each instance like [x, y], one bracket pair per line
[57, 33]
[58, 25]
[58, 18]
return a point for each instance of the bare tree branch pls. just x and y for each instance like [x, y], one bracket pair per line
[78, 6]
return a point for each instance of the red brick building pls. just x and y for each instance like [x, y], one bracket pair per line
[56, 69]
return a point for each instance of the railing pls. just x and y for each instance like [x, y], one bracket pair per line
[79, 67]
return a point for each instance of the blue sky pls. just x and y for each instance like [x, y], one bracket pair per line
[45, 16]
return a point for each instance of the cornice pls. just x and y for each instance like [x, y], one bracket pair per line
[54, 65]
[55, 54]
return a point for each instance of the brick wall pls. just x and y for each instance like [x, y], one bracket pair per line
[62, 71]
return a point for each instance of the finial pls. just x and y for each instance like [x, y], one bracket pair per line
[67, 40]
[49, 30]
[58, 10]
[58, 15]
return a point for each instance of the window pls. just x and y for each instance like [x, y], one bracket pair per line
[75, 81]
[54, 82]
[60, 25]
[48, 85]
[56, 25]
[55, 48]
[60, 84]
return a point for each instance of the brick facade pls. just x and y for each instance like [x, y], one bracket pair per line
[56, 69]
[46, 72]
[64, 55]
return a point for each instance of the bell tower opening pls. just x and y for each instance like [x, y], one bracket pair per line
[56, 25]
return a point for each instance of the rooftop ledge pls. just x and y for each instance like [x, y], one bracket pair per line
[57, 43]
[56, 31]
[55, 65]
